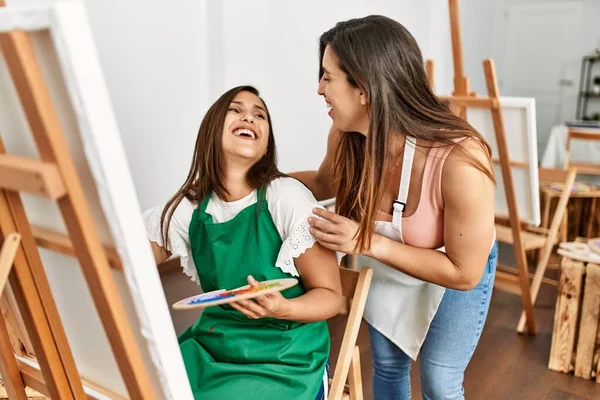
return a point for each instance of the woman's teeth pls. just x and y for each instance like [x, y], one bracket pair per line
[245, 133]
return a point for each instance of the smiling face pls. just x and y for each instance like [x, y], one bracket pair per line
[347, 104]
[245, 129]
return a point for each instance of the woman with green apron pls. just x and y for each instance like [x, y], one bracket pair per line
[238, 220]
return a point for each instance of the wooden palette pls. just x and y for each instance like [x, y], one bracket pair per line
[224, 296]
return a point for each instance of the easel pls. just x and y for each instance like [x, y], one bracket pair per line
[590, 168]
[461, 98]
[53, 177]
[9, 369]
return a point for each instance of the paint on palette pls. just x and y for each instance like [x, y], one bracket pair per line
[225, 294]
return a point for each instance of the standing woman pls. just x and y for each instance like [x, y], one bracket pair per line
[414, 192]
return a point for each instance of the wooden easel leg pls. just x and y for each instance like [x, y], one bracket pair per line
[14, 326]
[461, 83]
[7, 257]
[430, 69]
[355, 376]
[546, 203]
[31, 305]
[8, 364]
[590, 227]
[13, 381]
[547, 250]
[492, 87]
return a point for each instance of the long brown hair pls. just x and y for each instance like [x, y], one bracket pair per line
[207, 172]
[382, 58]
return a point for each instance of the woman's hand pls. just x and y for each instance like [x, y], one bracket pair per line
[267, 306]
[334, 232]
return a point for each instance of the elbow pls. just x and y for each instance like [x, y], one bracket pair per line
[467, 282]
[330, 304]
[466, 277]
[337, 305]
[465, 286]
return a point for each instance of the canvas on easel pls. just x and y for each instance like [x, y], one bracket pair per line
[519, 120]
[84, 278]
[489, 115]
[509, 125]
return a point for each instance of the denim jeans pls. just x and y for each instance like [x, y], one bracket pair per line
[446, 351]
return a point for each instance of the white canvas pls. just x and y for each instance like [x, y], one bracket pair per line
[521, 137]
[67, 54]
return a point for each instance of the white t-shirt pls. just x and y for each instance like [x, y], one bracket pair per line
[289, 202]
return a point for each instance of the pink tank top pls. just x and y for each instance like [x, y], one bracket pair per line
[425, 228]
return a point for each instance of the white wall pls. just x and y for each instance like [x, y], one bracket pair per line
[591, 25]
[487, 28]
[165, 63]
[479, 19]
[439, 48]
[273, 44]
[154, 59]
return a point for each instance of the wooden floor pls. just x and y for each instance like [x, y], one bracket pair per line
[505, 365]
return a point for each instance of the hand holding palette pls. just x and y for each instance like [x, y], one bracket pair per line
[223, 296]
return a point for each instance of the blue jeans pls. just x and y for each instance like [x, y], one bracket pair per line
[446, 351]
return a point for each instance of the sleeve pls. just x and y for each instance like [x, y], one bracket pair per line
[179, 239]
[290, 204]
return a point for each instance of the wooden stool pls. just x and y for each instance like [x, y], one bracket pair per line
[583, 213]
[575, 338]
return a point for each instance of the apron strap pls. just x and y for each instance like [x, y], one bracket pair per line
[400, 203]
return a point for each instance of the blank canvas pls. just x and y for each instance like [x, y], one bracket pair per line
[521, 137]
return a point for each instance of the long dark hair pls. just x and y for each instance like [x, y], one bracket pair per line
[207, 172]
[382, 58]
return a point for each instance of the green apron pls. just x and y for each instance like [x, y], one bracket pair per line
[229, 356]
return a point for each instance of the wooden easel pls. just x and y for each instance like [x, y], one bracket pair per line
[9, 369]
[461, 98]
[54, 177]
[590, 168]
